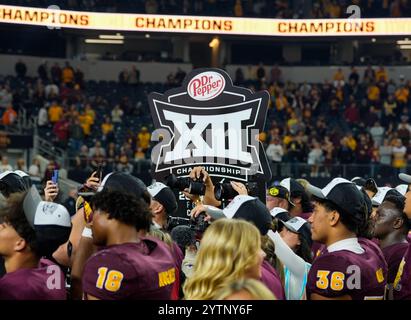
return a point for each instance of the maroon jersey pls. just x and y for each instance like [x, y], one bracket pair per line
[402, 282]
[393, 255]
[271, 279]
[339, 273]
[46, 282]
[144, 270]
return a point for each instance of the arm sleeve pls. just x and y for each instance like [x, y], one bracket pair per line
[292, 261]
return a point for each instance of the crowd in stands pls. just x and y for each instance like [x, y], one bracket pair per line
[360, 119]
[350, 118]
[237, 8]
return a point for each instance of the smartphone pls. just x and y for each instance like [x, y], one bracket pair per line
[55, 176]
[99, 172]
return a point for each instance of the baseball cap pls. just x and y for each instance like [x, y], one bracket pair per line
[402, 188]
[279, 191]
[163, 194]
[292, 185]
[50, 221]
[382, 193]
[247, 208]
[345, 195]
[25, 177]
[405, 177]
[280, 213]
[300, 226]
[11, 182]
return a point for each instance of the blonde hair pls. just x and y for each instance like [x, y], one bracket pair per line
[254, 287]
[228, 250]
[161, 235]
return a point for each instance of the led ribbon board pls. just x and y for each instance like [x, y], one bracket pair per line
[207, 25]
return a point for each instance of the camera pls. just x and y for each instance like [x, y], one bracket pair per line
[198, 224]
[226, 191]
[194, 187]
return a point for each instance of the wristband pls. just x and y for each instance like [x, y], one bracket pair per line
[87, 233]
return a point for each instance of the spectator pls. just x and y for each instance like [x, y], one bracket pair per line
[61, 132]
[97, 149]
[21, 165]
[389, 114]
[67, 74]
[151, 6]
[143, 139]
[76, 134]
[42, 71]
[79, 78]
[55, 112]
[399, 152]
[34, 169]
[261, 72]
[315, 158]
[123, 77]
[352, 114]
[52, 91]
[139, 155]
[56, 73]
[275, 153]
[5, 165]
[21, 69]
[42, 118]
[6, 98]
[338, 78]
[86, 122]
[373, 93]
[134, 76]
[345, 153]
[124, 165]
[402, 94]
[276, 74]
[179, 77]
[239, 76]
[116, 115]
[328, 148]
[377, 132]
[107, 130]
[9, 116]
[354, 76]
[90, 112]
[403, 132]
[238, 9]
[381, 74]
[369, 75]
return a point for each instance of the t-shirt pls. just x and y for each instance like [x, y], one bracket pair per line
[46, 282]
[55, 113]
[131, 271]
[271, 279]
[402, 283]
[343, 272]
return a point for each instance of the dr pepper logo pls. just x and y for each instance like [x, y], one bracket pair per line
[206, 86]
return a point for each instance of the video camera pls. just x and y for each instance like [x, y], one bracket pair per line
[198, 224]
[224, 190]
[194, 187]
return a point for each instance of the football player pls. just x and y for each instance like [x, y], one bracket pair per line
[131, 265]
[346, 270]
[391, 229]
[402, 282]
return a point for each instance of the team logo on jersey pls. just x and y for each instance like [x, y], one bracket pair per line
[209, 122]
